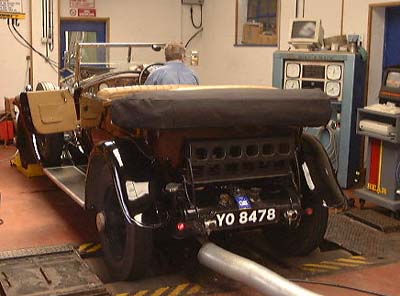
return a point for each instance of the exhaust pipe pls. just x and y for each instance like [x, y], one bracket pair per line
[248, 272]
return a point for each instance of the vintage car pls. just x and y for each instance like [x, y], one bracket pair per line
[88, 68]
[162, 162]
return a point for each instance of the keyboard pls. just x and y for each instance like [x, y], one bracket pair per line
[377, 127]
[384, 108]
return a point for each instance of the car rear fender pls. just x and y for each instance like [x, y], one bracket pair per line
[321, 174]
[109, 157]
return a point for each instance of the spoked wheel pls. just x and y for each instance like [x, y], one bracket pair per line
[306, 237]
[50, 148]
[127, 248]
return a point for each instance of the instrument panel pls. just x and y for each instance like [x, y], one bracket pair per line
[327, 76]
[125, 79]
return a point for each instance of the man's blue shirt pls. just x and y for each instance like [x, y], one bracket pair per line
[173, 72]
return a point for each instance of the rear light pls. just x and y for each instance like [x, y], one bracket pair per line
[309, 211]
[181, 226]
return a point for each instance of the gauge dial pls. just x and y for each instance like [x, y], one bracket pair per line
[292, 84]
[103, 85]
[292, 70]
[334, 72]
[333, 88]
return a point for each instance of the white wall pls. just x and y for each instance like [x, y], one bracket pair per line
[163, 20]
[42, 71]
[13, 58]
[139, 21]
[355, 20]
[130, 21]
[376, 50]
[223, 63]
[13, 64]
[328, 11]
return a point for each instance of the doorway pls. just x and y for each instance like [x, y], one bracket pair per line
[391, 48]
[383, 45]
[81, 30]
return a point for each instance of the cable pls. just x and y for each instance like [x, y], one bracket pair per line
[336, 286]
[331, 148]
[51, 62]
[28, 68]
[201, 17]
[51, 25]
[43, 34]
[15, 37]
[30, 46]
[194, 35]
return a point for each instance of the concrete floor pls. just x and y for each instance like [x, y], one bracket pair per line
[35, 213]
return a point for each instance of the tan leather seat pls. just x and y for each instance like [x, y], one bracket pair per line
[91, 109]
[112, 93]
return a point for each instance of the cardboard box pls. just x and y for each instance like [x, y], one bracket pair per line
[268, 39]
[253, 34]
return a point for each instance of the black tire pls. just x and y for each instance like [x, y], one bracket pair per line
[303, 239]
[127, 248]
[50, 148]
[24, 144]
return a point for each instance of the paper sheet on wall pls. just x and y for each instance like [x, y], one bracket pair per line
[82, 4]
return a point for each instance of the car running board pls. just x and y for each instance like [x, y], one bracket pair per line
[71, 180]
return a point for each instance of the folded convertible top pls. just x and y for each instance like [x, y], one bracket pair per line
[221, 107]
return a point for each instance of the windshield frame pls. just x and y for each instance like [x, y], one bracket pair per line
[75, 64]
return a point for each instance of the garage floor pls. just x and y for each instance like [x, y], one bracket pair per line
[35, 213]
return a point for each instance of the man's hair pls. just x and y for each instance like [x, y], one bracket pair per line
[174, 51]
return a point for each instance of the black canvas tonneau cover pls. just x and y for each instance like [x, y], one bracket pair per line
[224, 107]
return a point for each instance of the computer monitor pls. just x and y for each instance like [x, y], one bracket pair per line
[306, 33]
[390, 88]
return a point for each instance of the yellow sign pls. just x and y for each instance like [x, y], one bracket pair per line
[18, 16]
[377, 189]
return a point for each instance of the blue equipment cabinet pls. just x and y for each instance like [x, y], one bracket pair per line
[342, 77]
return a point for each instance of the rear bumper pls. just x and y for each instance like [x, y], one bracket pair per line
[204, 221]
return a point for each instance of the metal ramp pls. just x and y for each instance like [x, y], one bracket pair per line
[365, 232]
[50, 271]
[71, 180]
[355, 236]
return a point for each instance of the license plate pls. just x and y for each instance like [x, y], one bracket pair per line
[246, 217]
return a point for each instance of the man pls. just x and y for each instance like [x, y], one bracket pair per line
[174, 71]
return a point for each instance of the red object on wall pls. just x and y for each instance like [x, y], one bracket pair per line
[6, 130]
[87, 12]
